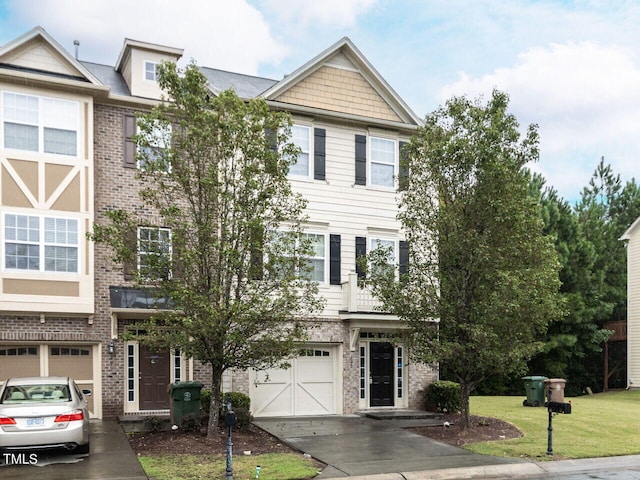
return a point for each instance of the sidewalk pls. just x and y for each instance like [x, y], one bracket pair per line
[552, 469]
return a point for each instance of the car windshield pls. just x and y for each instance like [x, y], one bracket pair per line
[35, 393]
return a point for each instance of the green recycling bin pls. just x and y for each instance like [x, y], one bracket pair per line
[534, 386]
[184, 400]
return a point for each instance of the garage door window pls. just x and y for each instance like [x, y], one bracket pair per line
[64, 351]
[19, 351]
[314, 353]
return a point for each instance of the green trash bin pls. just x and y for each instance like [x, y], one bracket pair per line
[184, 400]
[534, 385]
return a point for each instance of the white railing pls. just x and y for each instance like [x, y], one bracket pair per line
[357, 298]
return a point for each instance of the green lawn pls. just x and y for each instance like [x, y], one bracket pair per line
[600, 425]
[280, 466]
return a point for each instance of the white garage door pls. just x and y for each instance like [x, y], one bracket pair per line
[309, 387]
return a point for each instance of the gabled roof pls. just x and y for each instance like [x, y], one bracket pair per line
[631, 230]
[245, 86]
[14, 56]
[344, 54]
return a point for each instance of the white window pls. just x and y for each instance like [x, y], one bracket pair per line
[159, 139]
[36, 243]
[318, 258]
[383, 161]
[390, 246]
[301, 137]
[151, 71]
[386, 244]
[154, 252]
[40, 124]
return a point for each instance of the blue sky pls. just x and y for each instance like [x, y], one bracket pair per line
[572, 67]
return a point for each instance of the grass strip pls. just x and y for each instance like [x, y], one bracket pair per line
[273, 466]
[601, 425]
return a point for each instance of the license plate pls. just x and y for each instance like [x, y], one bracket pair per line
[35, 422]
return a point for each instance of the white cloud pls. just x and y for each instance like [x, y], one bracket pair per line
[585, 98]
[337, 13]
[226, 34]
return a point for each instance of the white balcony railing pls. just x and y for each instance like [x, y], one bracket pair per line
[357, 298]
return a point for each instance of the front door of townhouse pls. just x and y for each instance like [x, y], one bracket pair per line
[381, 368]
[155, 376]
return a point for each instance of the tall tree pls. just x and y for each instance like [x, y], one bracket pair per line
[605, 210]
[483, 278]
[214, 168]
[573, 338]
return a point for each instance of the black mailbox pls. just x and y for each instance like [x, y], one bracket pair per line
[558, 407]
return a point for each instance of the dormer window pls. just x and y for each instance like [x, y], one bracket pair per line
[151, 71]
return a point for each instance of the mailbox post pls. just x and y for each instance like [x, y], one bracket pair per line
[229, 421]
[555, 404]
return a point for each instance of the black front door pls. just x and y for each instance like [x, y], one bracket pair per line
[381, 367]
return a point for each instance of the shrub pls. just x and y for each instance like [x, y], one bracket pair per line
[152, 424]
[241, 405]
[191, 423]
[205, 401]
[443, 396]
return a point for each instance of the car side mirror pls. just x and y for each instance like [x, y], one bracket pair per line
[87, 392]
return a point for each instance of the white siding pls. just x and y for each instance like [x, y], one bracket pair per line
[338, 206]
[633, 315]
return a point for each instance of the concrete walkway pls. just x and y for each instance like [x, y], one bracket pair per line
[354, 445]
[111, 458]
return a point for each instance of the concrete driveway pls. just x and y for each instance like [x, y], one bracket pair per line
[111, 458]
[355, 445]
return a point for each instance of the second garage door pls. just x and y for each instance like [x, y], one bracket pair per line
[308, 387]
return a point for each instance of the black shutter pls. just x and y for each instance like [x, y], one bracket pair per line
[272, 139]
[403, 170]
[361, 160]
[129, 159]
[361, 251]
[334, 260]
[130, 264]
[271, 165]
[404, 257]
[319, 149]
[256, 269]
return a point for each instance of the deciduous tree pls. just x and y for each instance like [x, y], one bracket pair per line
[215, 172]
[482, 283]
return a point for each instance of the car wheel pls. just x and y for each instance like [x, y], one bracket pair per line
[82, 449]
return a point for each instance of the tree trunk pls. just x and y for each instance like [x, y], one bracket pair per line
[465, 392]
[216, 402]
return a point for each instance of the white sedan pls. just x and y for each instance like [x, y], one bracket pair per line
[43, 412]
